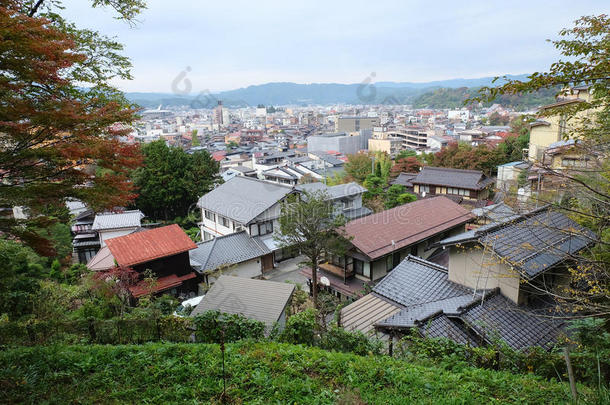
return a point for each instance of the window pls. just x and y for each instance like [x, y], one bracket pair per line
[254, 230]
[424, 189]
[359, 267]
[347, 204]
[224, 221]
[207, 236]
[265, 228]
[209, 215]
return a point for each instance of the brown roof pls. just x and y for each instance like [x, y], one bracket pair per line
[142, 247]
[161, 284]
[405, 225]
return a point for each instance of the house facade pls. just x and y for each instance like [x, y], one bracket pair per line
[110, 225]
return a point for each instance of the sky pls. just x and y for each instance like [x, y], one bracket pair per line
[224, 45]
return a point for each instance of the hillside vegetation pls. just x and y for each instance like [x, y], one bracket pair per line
[256, 373]
[455, 98]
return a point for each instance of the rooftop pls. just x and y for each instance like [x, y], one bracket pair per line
[256, 299]
[117, 220]
[149, 245]
[379, 234]
[443, 176]
[243, 198]
[226, 250]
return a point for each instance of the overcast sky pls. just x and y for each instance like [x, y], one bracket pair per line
[231, 44]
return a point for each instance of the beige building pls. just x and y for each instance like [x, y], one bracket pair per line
[391, 146]
[555, 128]
[355, 124]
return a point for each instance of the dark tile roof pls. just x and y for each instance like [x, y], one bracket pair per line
[404, 179]
[416, 281]
[404, 225]
[441, 326]
[537, 242]
[243, 198]
[447, 177]
[498, 317]
[226, 250]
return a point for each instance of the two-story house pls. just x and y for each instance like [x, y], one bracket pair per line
[346, 198]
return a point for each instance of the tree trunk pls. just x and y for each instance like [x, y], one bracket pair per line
[314, 282]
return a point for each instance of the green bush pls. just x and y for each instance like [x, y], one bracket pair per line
[300, 328]
[338, 339]
[214, 327]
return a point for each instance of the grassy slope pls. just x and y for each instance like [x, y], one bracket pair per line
[258, 373]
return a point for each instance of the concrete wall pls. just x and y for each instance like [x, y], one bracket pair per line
[468, 266]
[344, 144]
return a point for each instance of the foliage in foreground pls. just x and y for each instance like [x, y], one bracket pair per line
[256, 373]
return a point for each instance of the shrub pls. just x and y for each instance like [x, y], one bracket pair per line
[214, 327]
[300, 328]
[338, 339]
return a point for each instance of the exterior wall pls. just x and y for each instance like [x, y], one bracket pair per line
[344, 144]
[248, 269]
[215, 227]
[469, 267]
[351, 124]
[113, 233]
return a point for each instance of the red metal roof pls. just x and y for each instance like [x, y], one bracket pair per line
[405, 225]
[161, 284]
[145, 246]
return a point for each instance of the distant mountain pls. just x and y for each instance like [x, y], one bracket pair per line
[285, 93]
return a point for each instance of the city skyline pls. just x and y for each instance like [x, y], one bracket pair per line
[224, 46]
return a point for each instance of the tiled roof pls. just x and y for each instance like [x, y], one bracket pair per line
[538, 242]
[447, 177]
[405, 225]
[441, 326]
[145, 246]
[496, 212]
[520, 328]
[416, 281]
[243, 198]
[405, 179]
[256, 299]
[226, 250]
[117, 220]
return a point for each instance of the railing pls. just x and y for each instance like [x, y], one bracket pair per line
[336, 270]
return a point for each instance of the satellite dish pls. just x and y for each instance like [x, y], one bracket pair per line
[325, 281]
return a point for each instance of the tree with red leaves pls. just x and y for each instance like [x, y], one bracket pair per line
[405, 165]
[60, 121]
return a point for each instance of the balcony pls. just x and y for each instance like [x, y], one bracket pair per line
[336, 270]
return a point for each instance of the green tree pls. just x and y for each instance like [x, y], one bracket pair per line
[171, 180]
[406, 154]
[358, 166]
[308, 224]
[195, 138]
[397, 195]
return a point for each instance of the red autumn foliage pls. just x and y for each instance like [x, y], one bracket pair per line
[57, 139]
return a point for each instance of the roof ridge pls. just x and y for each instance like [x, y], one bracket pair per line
[453, 169]
[427, 263]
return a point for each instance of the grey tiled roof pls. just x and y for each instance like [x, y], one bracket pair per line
[520, 328]
[226, 250]
[256, 299]
[125, 219]
[538, 242]
[405, 179]
[355, 213]
[443, 176]
[328, 158]
[441, 326]
[335, 192]
[243, 198]
[496, 212]
[415, 314]
[416, 281]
